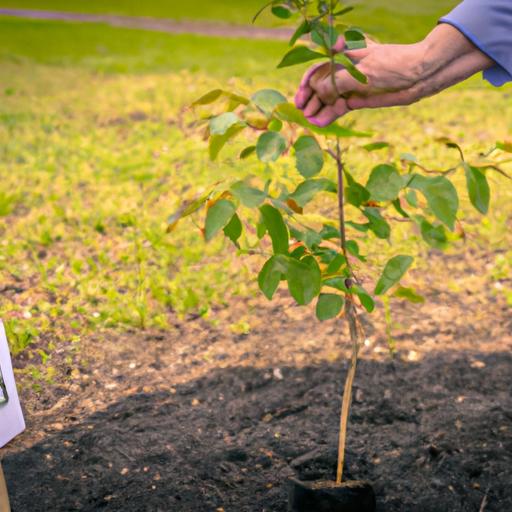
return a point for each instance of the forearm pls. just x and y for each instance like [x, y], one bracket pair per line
[446, 45]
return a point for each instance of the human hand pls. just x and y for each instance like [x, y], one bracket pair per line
[397, 75]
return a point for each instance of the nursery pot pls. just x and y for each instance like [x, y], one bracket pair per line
[327, 496]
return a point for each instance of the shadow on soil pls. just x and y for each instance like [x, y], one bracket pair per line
[434, 436]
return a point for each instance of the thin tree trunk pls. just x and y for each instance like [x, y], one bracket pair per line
[4, 497]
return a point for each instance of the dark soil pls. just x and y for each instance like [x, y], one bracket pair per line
[204, 419]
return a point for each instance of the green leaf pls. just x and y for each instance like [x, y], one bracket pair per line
[329, 232]
[338, 283]
[309, 156]
[303, 29]
[309, 237]
[375, 146]
[208, 98]
[217, 142]
[398, 207]
[343, 11]
[394, 271]
[342, 59]
[248, 196]
[247, 152]
[412, 198]
[441, 197]
[267, 100]
[363, 228]
[377, 223]
[299, 55]
[433, 235]
[356, 194]
[366, 299]
[304, 279]
[217, 217]
[384, 183]
[307, 190]
[233, 230]
[504, 146]
[221, 124]
[353, 248]
[213, 96]
[186, 209]
[355, 39]
[261, 229]
[281, 11]
[329, 306]
[408, 294]
[449, 143]
[275, 125]
[324, 35]
[270, 146]
[478, 188]
[276, 228]
[338, 261]
[271, 274]
[291, 114]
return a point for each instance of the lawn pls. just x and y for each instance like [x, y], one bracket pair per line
[400, 20]
[98, 152]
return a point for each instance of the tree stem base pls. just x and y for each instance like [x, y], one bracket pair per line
[327, 496]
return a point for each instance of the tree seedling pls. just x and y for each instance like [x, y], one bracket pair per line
[314, 249]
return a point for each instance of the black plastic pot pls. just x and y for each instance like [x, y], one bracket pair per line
[327, 496]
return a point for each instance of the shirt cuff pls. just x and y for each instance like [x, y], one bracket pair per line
[497, 75]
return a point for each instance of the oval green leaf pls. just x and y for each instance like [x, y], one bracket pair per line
[329, 306]
[384, 183]
[221, 124]
[299, 55]
[276, 228]
[394, 271]
[218, 217]
[478, 188]
[309, 156]
[270, 146]
[304, 280]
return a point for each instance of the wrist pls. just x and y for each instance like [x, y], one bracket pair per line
[442, 46]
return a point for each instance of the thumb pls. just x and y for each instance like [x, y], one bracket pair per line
[358, 55]
[346, 83]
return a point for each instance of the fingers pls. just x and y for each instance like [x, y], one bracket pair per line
[388, 99]
[313, 106]
[305, 91]
[329, 113]
[303, 96]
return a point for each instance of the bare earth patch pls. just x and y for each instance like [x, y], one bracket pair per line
[204, 419]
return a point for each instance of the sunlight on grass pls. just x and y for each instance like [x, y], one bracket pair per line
[98, 151]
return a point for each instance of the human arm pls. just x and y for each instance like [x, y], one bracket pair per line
[475, 36]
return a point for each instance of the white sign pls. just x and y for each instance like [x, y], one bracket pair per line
[11, 417]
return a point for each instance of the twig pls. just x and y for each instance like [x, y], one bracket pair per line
[484, 501]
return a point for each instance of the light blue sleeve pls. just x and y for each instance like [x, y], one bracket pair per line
[488, 25]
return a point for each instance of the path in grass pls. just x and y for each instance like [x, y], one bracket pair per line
[204, 28]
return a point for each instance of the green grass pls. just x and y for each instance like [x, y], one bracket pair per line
[399, 20]
[97, 152]
[106, 49]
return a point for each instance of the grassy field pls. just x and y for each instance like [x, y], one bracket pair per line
[96, 152]
[400, 20]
